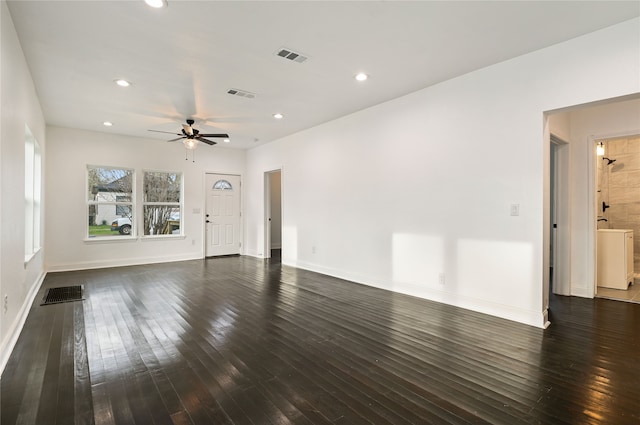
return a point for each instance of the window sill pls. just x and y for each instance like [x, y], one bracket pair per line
[29, 257]
[148, 238]
[110, 239]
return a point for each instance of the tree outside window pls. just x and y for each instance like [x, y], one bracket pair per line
[162, 203]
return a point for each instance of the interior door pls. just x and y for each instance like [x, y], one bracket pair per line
[222, 216]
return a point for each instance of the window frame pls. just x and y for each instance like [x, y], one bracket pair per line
[179, 205]
[32, 195]
[131, 204]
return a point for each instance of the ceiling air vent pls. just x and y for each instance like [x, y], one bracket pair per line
[291, 55]
[241, 93]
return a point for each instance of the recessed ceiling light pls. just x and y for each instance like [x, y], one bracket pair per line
[122, 83]
[156, 3]
[361, 76]
[278, 116]
[107, 124]
[226, 140]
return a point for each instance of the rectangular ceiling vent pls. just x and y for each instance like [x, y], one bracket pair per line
[291, 55]
[241, 93]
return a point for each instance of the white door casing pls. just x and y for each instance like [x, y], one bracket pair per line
[222, 215]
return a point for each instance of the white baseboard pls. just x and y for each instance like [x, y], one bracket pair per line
[102, 264]
[581, 291]
[16, 328]
[527, 317]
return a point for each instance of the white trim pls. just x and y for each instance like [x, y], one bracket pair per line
[147, 238]
[110, 239]
[529, 317]
[121, 262]
[28, 258]
[14, 331]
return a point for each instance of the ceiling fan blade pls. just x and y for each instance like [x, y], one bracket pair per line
[208, 142]
[176, 139]
[187, 129]
[226, 136]
[168, 132]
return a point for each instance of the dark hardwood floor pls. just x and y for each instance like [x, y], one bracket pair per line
[238, 340]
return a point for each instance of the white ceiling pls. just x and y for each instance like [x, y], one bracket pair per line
[183, 59]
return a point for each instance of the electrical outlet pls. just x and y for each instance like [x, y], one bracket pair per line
[441, 278]
[5, 306]
[514, 210]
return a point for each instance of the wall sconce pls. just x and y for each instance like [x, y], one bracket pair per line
[600, 149]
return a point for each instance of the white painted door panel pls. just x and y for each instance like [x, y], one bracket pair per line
[222, 218]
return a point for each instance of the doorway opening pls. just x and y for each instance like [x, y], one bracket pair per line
[617, 212]
[575, 241]
[558, 230]
[273, 214]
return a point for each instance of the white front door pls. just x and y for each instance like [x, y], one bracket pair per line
[222, 216]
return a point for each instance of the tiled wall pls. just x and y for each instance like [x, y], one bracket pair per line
[619, 185]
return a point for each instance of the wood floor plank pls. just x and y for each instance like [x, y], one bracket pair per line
[83, 404]
[244, 341]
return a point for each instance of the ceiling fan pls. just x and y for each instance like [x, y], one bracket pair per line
[190, 136]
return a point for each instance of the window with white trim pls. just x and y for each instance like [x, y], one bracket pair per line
[162, 203]
[110, 206]
[32, 194]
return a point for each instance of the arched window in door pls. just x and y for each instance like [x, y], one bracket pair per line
[222, 185]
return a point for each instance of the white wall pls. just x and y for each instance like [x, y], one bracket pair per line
[68, 153]
[419, 188]
[20, 107]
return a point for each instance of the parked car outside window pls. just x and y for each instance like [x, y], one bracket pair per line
[122, 225]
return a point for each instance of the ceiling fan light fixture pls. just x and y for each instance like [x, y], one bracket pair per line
[122, 83]
[156, 4]
[190, 144]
